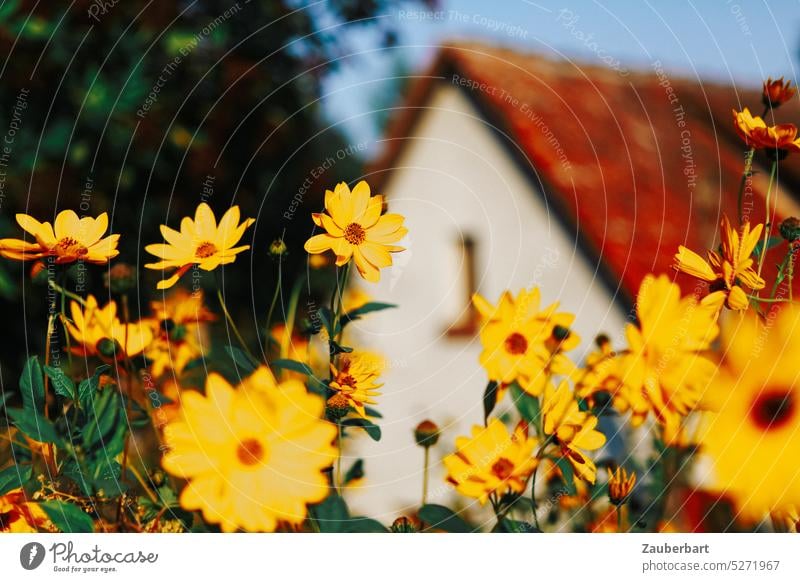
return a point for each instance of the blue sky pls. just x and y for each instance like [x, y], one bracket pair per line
[731, 41]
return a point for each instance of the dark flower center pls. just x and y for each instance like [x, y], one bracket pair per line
[355, 234]
[70, 246]
[773, 409]
[516, 344]
[205, 250]
[503, 468]
[250, 452]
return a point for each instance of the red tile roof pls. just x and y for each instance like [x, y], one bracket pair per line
[636, 164]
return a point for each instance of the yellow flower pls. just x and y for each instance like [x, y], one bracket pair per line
[71, 239]
[356, 379]
[177, 328]
[355, 228]
[91, 325]
[254, 455]
[726, 271]
[620, 485]
[18, 515]
[757, 134]
[666, 371]
[492, 461]
[354, 298]
[602, 377]
[786, 520]
[754, 437]
[572, 431]
[200, 242]
[523, 344]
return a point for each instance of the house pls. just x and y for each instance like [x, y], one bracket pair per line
[516, 170]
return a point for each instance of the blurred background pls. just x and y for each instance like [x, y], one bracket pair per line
[145, 108]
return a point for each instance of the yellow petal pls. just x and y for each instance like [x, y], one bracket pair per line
[693, 264]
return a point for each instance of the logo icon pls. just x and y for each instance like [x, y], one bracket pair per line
[31, 555]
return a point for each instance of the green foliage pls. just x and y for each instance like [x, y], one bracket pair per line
[244, 362]
[370, 307]
[527, 405]
[567, 474]
[439, 517]
[31, 385]
[61, 383]
[14, 477]
[489, 399]
[68, 517]
[356, 471]
[372, 429]
[333, 516]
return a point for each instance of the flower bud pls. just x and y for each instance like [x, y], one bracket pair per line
[790, 229]
[109, 348]
[120, 279]
[777, 92]
[278, 248]
[337, 406]
[426, 434]
[404, 524]
[620, 485]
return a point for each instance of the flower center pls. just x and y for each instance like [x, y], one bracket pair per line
[205, 250]
[354, 234]
[503, 468]
[516, 344]
[773, 409]
[70, 246]
[250, 452]
[347, 380]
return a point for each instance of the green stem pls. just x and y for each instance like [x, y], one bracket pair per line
[765, 300]
[619, 518]
[769, 216]
[341, 284]
[233, 324]
[273, 303]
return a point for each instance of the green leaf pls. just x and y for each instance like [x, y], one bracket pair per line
[331, 515]
[440, 517]
[31, 384]
[7, 9]
[489, 399]
[514, 526]
[326, 317]
[364, 525]
[356, 471]
[772, 242]
[242, 360]
[104, 415]
[88, 387]
[567, 475]
[294, 366]
[67, 517]
[370, 307]
[372, 412]
[373, 430]
[527, 405]
[62, 384]
[14, 477]
[34, 426]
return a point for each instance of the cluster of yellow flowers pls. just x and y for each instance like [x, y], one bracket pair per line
[255, 456]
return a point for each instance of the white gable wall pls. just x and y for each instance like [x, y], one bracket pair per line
[454, 178]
